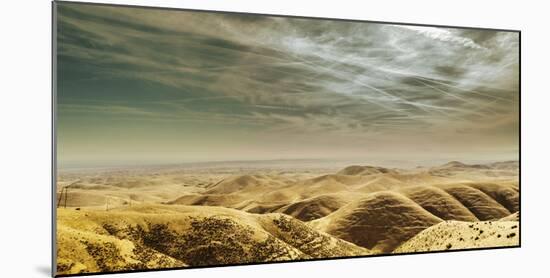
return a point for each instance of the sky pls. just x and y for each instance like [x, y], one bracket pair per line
[151, 86]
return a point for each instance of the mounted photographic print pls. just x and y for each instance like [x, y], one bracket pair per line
[186, 138]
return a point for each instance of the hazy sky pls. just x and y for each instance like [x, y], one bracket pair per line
[144, 86]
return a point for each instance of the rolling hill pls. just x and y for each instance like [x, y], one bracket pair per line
[157, 236]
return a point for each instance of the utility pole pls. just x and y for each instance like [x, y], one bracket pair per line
[60, 195]
[66, 193]
[65, 190]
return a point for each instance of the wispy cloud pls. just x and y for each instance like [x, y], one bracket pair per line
[323, 78]
[443, 34]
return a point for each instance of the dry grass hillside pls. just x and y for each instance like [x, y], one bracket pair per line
[453, 235]
[380, 221]
[314, 208]
[160, 236]
[159, 217]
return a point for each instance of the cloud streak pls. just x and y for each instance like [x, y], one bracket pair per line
[313, 78]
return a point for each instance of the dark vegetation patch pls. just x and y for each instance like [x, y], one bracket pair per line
[106, 255]
[211, 241]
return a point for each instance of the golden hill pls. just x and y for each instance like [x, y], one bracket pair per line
[380, 221]
[439, 203]
[159, 236]
[357, 170]
[383, 220]
[452, 235]
[313, 208]
[498, 170]
[506, 194]
[244, 183]
[480, 204]
[380, 183]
